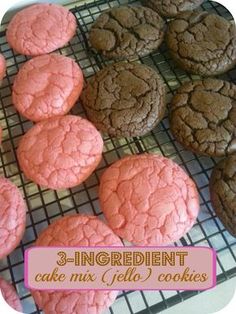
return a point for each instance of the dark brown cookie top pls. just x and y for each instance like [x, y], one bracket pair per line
[223, 192]
[202, 43]
[127, 31]
[203, 117]
[171, 8]
[125, 99]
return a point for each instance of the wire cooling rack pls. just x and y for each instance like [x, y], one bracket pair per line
[45, 205]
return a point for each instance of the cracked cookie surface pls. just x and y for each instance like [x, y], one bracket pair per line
[223, 192]
[171, 8]
[60, 152]
[148, 200]
[202, 43]
[10, 296]
[40, 29]
[203, 117]
[125, 99]
[47, 86]
[127, 31]
[12, 217]
[76, 230]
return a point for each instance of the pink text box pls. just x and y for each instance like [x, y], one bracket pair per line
[120, 268]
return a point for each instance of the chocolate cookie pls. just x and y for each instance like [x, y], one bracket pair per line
[171, 8]
[203, 117]
[125, 99]
[202, 43]
[127, 31]
[223, 192]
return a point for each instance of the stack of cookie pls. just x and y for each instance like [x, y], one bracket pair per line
[202, 113]
[126, 99]
[59, 151]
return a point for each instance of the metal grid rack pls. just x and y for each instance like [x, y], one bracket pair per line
[46, 205]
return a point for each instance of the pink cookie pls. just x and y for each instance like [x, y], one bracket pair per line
[12, 217]
[148, 199]
[2, 67]
[47, 86]
[60, 152]
[40, 29]
[10, 295]
[76, 230]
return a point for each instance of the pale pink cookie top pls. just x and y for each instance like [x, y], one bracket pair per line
[76, 230]
[148, 199]
[40, 29]
[12, 217]
[47, 86]
[2, 67]
[10, 295]
[60, 152]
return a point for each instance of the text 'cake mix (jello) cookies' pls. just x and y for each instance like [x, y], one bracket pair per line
[76, 230]
[10, 296]
[171, 8]
[202, 43]
[203, 117]
[223, 192]
[40, 29]
[148, 199]
[127, 31]
[2, 67]
[125, 99]
[47, 86]
[60, 152]
[12, 217]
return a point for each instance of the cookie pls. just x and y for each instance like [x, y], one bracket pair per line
[148, 200]
[76, 230]
[125, 99]
[127, 31]
[47, 86]
[40, 29]
[223, 192]
[171, 8]
[12, 217]
[202, 43]
[203, 117]
[2, 67]
[10, 295]
[60, 152]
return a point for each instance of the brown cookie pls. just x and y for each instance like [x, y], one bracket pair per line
[171, 8]
[223, 192]
[127, 31]
[125, 99]
[202, 43]
[203, 117]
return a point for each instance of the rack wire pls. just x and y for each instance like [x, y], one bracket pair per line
[44, 206]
